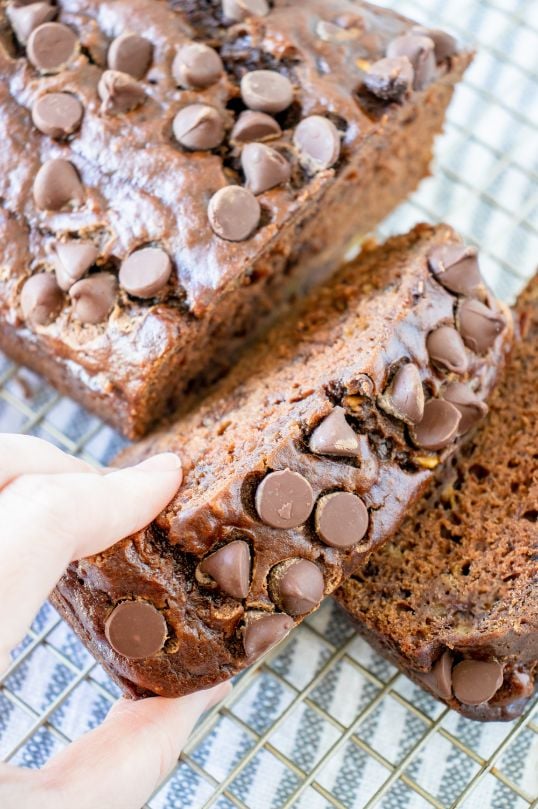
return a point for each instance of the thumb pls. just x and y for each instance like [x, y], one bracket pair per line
[123, 761]
[47, 521]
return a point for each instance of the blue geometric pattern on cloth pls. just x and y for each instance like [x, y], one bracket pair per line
[325, 722]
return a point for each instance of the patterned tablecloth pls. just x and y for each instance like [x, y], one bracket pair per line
[324, 721]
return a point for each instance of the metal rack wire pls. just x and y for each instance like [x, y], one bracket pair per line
[323, 721]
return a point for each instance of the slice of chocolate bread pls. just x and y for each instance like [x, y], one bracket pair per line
[453, 600]
[301, 463]
[171, 174]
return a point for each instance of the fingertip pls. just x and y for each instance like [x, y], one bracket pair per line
[166, 464]
[161, 463]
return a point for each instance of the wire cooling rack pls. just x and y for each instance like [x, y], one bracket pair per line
[323, 721]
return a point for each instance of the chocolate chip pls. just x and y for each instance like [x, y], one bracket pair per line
[254, 126]
[263, 630]
[57, 185]
[145, 272]
[318, 142]
[330, 32]
[455, 266]
[444, 44]
[136, 629]
[57, 114]
[229, 568]
[472, 409]
[264, 168]
[390, 79]
[476, 681]
[93, 297]
[419, 50]
[284, 499]
[130, 53]
[119, 92]
[234, 213]
[51, 46]
[439, 679]
[25, 19]
[446, 350]
[341, 520]
[238, 10]
[199, 126]
[41, 299]
[296, 586]
[404, 398]
[72, 260]
[334, 436]
[439, 426]
[266, 91]
[479, 325]
[197, 65]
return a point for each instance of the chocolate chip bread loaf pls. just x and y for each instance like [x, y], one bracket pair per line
[301, 463]
[170, 173]
[453, 600]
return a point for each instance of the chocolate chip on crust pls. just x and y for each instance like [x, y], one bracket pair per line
[136, 629]
[199, 126]
[390, 79]
[57, 114]
[479, 325]
[476, 681]
[57, 186]
[334, 436]
[446, 350]
[130, 53]
[419, 49]
[317, 141]
[263, 630]
[119, 92]
[197, 65]
[254, 126]
[51, 46]
[284, 499]
[234, 213]
[41, 299]
[94, 297]
[266, 91]
[341, 519]
[145, 272]
[26, 18]
[439, 426]
[229, 568]
[264, 167]
[471, 408]
[404, 397]
[455, 267]
[72, 260]
[296, 586]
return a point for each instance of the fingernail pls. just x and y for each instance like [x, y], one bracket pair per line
[165, 462]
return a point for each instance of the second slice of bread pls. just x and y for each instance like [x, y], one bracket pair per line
[453, 599]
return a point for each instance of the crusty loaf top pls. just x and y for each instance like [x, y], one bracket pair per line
[138, 185]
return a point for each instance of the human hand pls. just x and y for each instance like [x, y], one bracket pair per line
[54, 509]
